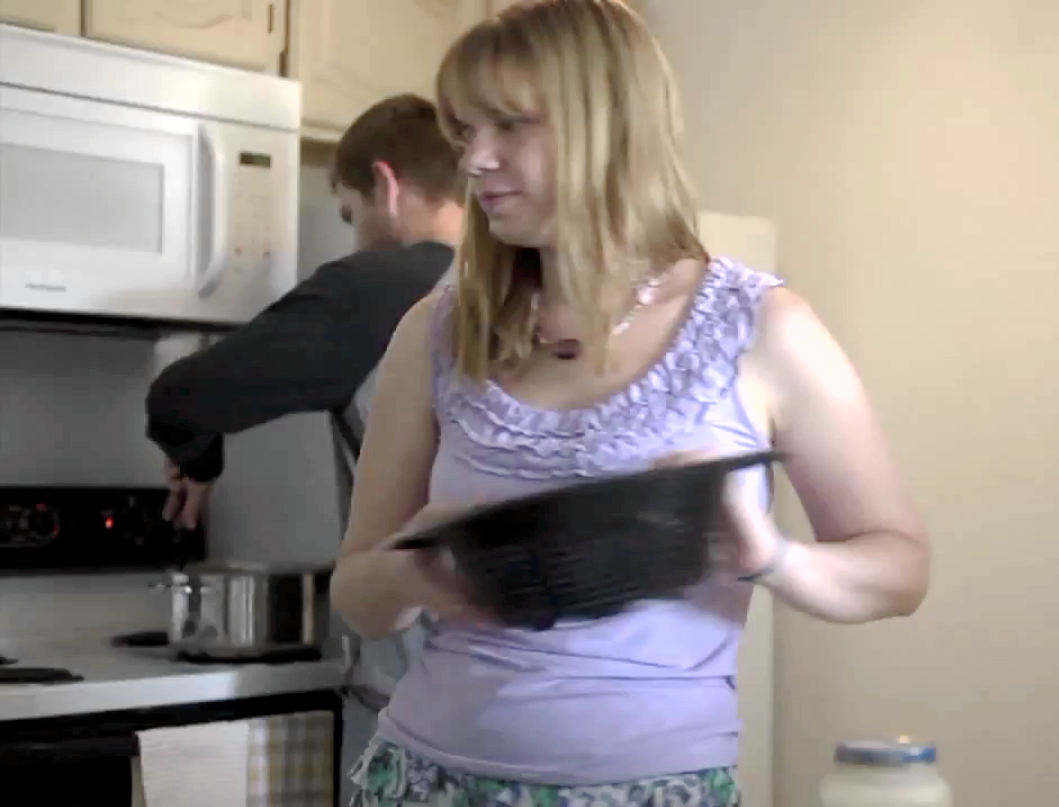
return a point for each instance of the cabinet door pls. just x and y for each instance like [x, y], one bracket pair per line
[348, 54]
[60, 16]
[243, 33]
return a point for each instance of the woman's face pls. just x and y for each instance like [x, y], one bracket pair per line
[510, 162]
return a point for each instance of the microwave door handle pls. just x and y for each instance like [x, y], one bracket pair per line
[213, 272]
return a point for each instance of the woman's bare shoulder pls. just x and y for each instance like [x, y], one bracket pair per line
[792, 345]
[416, 330]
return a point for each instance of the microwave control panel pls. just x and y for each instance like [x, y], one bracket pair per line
[253, 214]
[257, 173]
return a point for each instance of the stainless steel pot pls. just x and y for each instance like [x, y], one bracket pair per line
[247, 610]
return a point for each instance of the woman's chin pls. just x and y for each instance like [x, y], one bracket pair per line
[508, 232]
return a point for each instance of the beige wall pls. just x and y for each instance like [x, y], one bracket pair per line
[908, 151]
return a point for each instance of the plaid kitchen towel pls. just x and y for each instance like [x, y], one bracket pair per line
[290, 761]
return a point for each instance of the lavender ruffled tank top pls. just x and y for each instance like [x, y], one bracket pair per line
[649, 692]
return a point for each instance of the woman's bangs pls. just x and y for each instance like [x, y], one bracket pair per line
[484, 74]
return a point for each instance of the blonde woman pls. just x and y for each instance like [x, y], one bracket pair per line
[590, 333]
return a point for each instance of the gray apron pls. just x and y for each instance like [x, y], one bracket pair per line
[372, 667]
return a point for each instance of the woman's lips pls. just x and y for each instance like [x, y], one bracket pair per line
[495, 200]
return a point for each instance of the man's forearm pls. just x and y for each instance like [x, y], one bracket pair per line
[236, 386]
[308, 352]
[283, 362]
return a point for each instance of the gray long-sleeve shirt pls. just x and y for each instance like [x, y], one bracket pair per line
[308, 352]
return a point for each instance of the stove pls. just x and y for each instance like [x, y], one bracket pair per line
[91, 529]
[75, 711]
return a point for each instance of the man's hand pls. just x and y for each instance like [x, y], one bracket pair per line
[186, 497]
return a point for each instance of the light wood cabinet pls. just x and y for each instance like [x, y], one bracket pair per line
[348, 54]
[499, 5]
[251, 34]
[60, 16]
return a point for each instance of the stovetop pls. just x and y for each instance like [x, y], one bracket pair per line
[144, 654]
[95, 675]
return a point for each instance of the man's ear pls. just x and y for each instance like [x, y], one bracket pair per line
[386, 189]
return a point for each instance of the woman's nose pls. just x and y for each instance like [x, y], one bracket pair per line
[479, 157]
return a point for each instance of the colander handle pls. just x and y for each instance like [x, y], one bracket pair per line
[417, 542]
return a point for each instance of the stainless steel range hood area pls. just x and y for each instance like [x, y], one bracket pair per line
[104, 326]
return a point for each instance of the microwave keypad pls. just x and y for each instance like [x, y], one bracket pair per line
[251, 220]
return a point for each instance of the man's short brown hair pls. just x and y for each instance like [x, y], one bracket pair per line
[403, 132]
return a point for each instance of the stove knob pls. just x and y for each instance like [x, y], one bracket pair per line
[41, 524]
[12, 525]
[10, 518]
[137, 522]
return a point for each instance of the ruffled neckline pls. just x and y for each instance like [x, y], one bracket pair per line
[498, 433]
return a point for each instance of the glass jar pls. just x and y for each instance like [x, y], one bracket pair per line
[885, 773]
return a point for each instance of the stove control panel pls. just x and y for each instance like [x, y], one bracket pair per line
[69, 529]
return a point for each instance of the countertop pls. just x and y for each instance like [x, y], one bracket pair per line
[134, 678]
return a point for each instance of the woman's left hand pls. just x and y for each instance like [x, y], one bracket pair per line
[750, 541]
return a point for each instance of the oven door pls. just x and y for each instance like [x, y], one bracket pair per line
[92, 760]
[83, 771]
[102, 207]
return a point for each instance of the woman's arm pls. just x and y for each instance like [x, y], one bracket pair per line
[370, 588]
[871, 559]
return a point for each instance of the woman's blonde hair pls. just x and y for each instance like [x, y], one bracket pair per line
[624, 207]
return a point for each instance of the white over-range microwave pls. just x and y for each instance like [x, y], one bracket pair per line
[140, 186]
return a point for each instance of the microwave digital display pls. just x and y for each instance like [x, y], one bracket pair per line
[255, 159]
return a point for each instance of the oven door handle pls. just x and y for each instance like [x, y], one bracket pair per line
[37, 751]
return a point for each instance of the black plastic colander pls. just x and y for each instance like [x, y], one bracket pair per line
[591, 549]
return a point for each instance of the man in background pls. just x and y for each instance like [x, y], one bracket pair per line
[316, 349]
[398, 183]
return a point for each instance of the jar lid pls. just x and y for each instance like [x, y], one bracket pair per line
[886, 753]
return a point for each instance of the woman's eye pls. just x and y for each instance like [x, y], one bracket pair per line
[463, 136]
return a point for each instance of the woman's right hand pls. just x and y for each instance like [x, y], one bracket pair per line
[431, 579]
